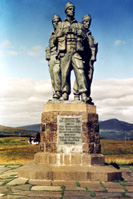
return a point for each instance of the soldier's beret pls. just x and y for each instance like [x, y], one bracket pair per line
[69, 4]
[86, 17]
[56, 17]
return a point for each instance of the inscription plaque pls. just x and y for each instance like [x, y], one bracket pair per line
[69, 130]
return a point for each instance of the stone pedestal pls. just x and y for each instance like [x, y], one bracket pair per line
[70, 147]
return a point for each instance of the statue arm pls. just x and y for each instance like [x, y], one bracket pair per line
[47, 54]
[94, 47]
[58, 33]
[81, 32]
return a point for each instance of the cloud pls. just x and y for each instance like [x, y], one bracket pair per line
[13, 53]
[6, 49]
[119, 42]
[6, 44]
[114, 98]
[22, 100]
[36, 51]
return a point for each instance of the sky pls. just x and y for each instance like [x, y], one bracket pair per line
[25, 85]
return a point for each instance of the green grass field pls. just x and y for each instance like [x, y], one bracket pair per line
[15, 150]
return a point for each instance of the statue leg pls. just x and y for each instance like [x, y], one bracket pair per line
[75, 91]
[89, 78]
[65, 73]
[51, 66]
[57, 79]
[78, 66]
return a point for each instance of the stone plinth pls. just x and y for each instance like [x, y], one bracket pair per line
[70, 147]
[88, 129]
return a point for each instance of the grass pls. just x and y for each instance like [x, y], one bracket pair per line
[78, 184]
[123, 194]
[92, 193]
[102, 185]
[117, 151]
[7, 181]
[62, 191]
[14, 150]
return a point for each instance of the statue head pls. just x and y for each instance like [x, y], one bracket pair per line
[86, 21]
[70, 9]
[55, 21]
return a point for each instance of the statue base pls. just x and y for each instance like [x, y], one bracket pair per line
[70, 147]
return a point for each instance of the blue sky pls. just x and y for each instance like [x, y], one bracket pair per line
[25, 29]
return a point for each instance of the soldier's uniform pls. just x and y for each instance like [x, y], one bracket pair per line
[70, 38]
[94, 48]
[89, 58]
[54, 65]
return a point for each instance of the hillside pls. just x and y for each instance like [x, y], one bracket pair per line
[34, 127]
[109, 129]
[116, 130]
[11, 131]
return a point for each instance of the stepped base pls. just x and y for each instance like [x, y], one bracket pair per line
[70, 148]
[62, 159]
[78, 173]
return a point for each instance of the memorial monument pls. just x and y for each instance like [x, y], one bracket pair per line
[70, 148]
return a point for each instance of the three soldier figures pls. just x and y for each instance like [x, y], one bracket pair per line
[71, 47]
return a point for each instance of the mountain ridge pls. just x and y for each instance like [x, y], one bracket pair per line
[109, 129]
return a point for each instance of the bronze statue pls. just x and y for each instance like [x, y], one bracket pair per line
[54, 62]
[71, 47]
[89, 58]
[70, 37]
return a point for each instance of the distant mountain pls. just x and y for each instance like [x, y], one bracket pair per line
[11, 131]
[109, 129]
[115, 129]
[34, 127]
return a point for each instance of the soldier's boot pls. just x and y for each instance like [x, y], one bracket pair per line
[64, 97]
[57, 95]
[89, 100]
[84, 97]
[76, 97]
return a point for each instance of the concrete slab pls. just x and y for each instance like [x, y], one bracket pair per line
[108, 195]
[89, 184]
[17, 181]
[116, 190]
[3, 189]
[3, 169]
[112, 185]
[75, 194]
[11, 197]
[46, 188]
[96, 188]
[129, 188]
[24, 187]
[20, 192]
[74, 188]
[63, 182]
[48, 194]
[130, 194]
[92, 186]
[8, 174]
[40, 182]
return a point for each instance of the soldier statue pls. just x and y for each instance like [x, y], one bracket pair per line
[89, 58]
[54, 62]
[70, 37]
